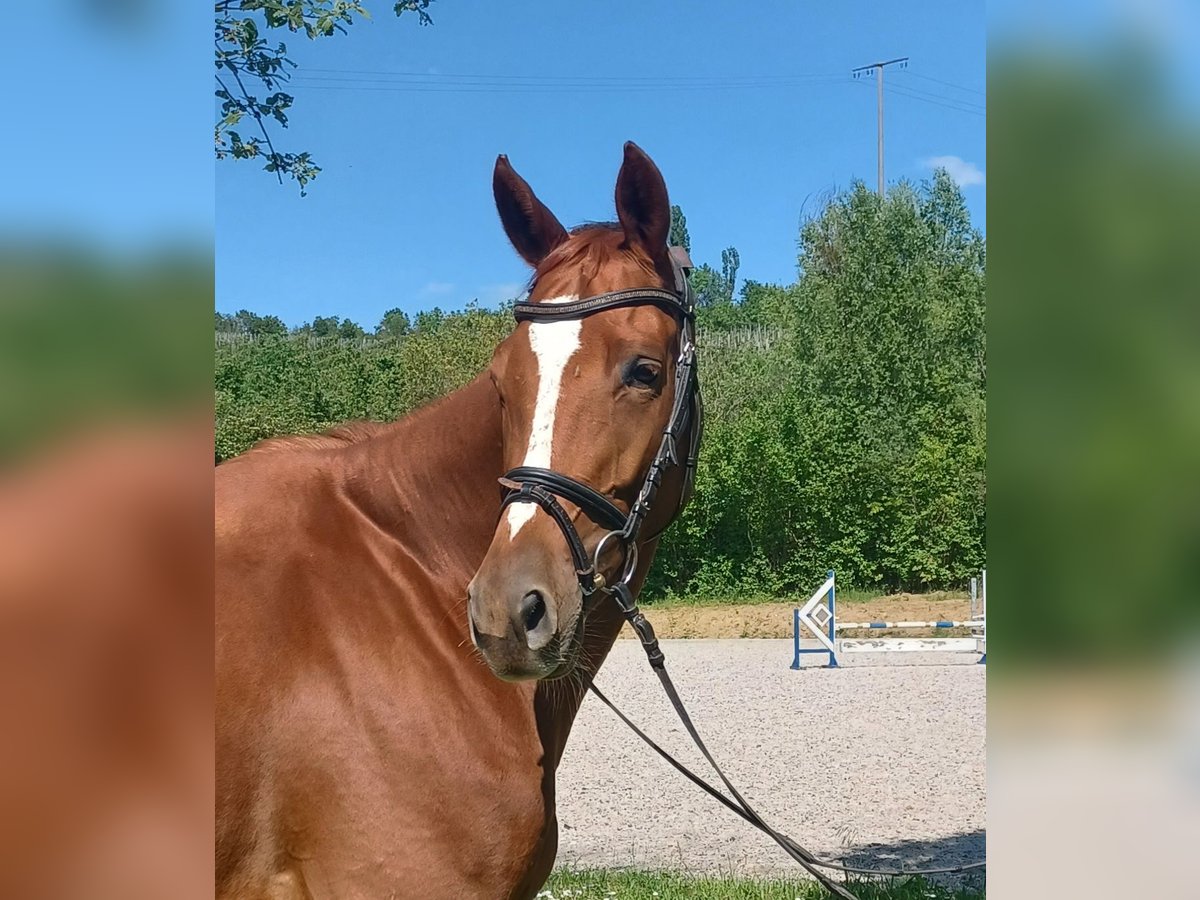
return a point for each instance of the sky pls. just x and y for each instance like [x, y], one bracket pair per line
[749, 110]
[108, 125]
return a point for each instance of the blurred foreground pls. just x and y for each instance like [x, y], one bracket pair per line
[106, 773]
[1094, 415]
[106, 666]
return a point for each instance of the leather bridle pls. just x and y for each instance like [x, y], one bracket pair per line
[545, 487]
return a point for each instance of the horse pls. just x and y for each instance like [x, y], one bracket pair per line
[402, 642]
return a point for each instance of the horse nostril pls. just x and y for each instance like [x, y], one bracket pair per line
[533, 610]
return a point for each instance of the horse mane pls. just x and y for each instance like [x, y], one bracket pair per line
[338, 436]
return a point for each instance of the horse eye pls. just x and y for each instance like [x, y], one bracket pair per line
[642, 373]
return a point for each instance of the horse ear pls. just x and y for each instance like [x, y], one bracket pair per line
[532, 228]
[642, 205]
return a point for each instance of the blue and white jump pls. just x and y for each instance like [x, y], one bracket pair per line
[819, 619]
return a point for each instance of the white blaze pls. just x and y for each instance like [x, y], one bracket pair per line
[553, 343]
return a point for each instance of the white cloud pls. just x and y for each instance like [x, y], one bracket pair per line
[964, 173]
[437, 287]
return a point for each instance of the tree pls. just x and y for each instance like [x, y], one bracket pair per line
[888, 339]
[429, 320]
[395, 323]
[249, 324]
[320, 326]
[730, 261]
[766, 304]
[678, 236]
[713, 288]
[247, 63]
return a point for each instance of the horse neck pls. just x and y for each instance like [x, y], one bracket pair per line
[430, 479]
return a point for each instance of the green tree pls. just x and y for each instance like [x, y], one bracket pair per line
[730, 262]
[251, 72]
[250, 324]
[766, 304]
[320, 326]
[852, 438]
[715, 292]
[889, 349]
[678, 235]
[395, 323]
[429, 320]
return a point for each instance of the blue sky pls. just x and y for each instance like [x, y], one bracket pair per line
[108, 123]
[749, 110]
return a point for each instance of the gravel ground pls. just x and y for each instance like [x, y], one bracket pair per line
[883, 758]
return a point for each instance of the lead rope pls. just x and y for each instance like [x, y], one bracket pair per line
[738, 805]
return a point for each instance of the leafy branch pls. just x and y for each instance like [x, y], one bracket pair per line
[244, 55]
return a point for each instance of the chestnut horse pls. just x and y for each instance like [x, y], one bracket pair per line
[399, 659]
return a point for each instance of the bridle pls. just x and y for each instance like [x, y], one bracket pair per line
[545, 487]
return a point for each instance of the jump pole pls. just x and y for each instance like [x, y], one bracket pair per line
[820, 620]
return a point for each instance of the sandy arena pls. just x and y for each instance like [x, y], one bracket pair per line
[882, 759]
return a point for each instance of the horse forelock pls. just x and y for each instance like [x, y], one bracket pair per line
[586, 252]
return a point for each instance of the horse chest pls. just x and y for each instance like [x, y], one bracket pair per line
[441, 801]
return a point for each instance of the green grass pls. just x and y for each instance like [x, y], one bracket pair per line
[608, 884]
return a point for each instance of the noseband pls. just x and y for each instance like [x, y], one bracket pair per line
[532, 484]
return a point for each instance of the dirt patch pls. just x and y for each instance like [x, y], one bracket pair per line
[774, 620]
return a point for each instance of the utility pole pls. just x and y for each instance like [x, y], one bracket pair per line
[878, 69]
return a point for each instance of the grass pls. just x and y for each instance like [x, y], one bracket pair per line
[611, 884]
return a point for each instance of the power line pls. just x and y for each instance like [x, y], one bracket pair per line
[489, 87]
[454, 77]
[559, 89]
[934, 99]
[949, 84]
[920, 93]
[897, 91]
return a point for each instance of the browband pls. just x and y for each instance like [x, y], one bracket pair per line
[524, 311]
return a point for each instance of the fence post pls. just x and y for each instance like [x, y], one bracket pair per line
[796, 637]
[833, 663]
[983, 610]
